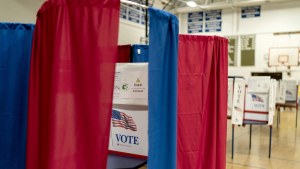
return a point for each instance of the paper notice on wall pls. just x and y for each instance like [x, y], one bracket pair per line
[131, 84]
[291, 90]
[238, 101]
[280, 98]
[230, 96]
[129, 131]
[259, 84]
[272, 101]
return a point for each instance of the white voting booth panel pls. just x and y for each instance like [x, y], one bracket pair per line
[291, 90]
[260, 99]
[272, 100]
[129, 122]
[287, 91]
[238, 101]
[256, 107]
[129, 132]
[281, 93]
[230, 96]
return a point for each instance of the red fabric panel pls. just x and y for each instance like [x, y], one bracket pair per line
[202, 102]
[124, 53]
[71, 84]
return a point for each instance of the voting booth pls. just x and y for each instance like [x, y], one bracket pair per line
[253, 104]
[287, 97]
[129, 120]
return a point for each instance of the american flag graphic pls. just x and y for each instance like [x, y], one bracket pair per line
[120, 119]
[257, 98]
[238, 108]
[287, 92]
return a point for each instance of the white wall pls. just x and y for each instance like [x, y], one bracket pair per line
[22, 11]
[275, 17]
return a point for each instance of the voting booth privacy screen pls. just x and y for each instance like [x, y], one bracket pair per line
[71, 84]
[15, 40]
[202, 102]
[163, 57]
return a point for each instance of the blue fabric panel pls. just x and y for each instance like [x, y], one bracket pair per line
[15, 49]
[140, 53]
[163, 58]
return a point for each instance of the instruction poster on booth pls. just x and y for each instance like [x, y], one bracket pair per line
[131, 84]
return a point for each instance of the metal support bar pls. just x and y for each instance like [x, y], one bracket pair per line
[146, 20]
[270, 142]
[167, 4]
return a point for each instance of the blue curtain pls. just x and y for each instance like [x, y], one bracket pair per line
[15, 49]
[140, 53]
[163, 57]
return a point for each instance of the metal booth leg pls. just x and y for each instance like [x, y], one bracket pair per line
[278, 117]
[250, 139]
[232, 141]
[296, 115]
[270, 142]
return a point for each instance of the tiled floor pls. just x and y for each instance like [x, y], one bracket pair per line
[285, 145]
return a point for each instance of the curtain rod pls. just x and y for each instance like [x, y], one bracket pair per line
[134, 3]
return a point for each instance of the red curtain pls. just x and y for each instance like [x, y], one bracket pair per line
[202, 102]
[71, 84]
[124, 53]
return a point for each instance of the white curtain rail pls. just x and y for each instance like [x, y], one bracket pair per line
[134, 3]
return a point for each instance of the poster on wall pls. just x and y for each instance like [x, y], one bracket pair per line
[129, 132]
[238, 101]
[123, 12]
[230, 96]
[132, 13]
[131, 84]
[247, 50]
[232, 50]
[195, 22]
[250, 12]
[213, 21]
[291, 90]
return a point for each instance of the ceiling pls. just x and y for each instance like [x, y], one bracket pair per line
[179, 6]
